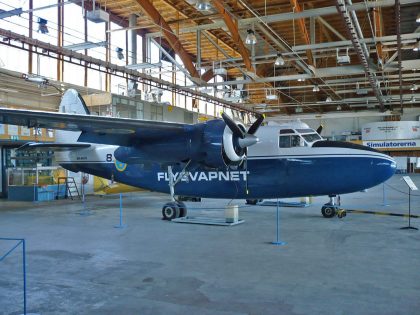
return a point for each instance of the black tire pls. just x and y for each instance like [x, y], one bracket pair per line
[182, 209]
[170, 211]
[251, 201]
[328, 211]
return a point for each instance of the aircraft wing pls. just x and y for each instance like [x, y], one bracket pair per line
[96, 129]
[36, 146]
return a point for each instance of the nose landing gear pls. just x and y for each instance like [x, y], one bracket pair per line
[331, 209]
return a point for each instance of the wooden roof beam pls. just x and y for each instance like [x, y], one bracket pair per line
[232, 25]
[303, 30]
[379, 26]
[170, 36]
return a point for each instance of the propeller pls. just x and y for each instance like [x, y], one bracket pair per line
[244, 139]
[319, 129]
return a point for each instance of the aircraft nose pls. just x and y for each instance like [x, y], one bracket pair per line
[367, 167]
[384, 168]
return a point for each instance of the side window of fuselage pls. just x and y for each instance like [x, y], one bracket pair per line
[289, 141]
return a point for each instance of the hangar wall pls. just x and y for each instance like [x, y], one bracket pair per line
[338, 126]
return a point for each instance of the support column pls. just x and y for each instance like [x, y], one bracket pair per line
[198, 63]
[132, 39]
[108, 57]
[86, 51]
[31, 20]
[60, 34]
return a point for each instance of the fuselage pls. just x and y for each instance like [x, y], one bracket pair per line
[284, 163]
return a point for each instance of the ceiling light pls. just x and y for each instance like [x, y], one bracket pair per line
[120, 54]
[42, 26]
[279, 61]
[328, 99]
[203, 5]
[301, 79]
[413, 87]
[412, 99]
[315, 88]
[416, 46]
[338, 107]
[418, 18]
[251, 39]
[271, 96]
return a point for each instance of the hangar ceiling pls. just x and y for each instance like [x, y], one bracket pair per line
[309, 35]
[334, 55]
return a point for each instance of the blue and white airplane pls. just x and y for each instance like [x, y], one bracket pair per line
[214, 159]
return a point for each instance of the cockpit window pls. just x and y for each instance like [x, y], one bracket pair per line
[289, 141]
[311, 137]
[284, 131]
[305, 130]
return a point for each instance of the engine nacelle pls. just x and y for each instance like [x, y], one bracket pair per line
[212, 144]
[219, 147]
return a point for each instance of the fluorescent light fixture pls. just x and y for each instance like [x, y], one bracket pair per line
[279, 60]
[251, 39]
[144, 65]
[86, 45]
[271, 97]
[301, 80]
[220, 71]
[315, 88]
[328, 99]
[203, 5]
[418, 18]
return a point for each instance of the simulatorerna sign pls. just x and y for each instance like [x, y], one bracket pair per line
[393, 144]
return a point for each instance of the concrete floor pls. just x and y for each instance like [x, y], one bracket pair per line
[362, 264]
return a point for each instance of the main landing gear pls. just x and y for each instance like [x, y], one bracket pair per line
[332, 209]
[174, 209]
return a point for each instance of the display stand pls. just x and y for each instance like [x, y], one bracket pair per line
[121, 225]
[411, 186]
[277, 241]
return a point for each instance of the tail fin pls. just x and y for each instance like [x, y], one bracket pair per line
[71, 102]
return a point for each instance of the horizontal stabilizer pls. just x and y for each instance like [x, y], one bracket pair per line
[36, 146]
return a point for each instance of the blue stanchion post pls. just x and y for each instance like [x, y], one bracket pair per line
[121, 225]
[384, 196]
[277, 241]
[24, 275]
[20, 241]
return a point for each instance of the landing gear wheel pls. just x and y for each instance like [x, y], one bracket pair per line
[170, 211]
[182, 209]
[328, 211]
[253, 201]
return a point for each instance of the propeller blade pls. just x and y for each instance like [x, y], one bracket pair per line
[247, 141]
[233, 126]
[319, 129]
[253, 129]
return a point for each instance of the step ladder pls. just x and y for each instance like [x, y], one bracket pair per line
[71, 187]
